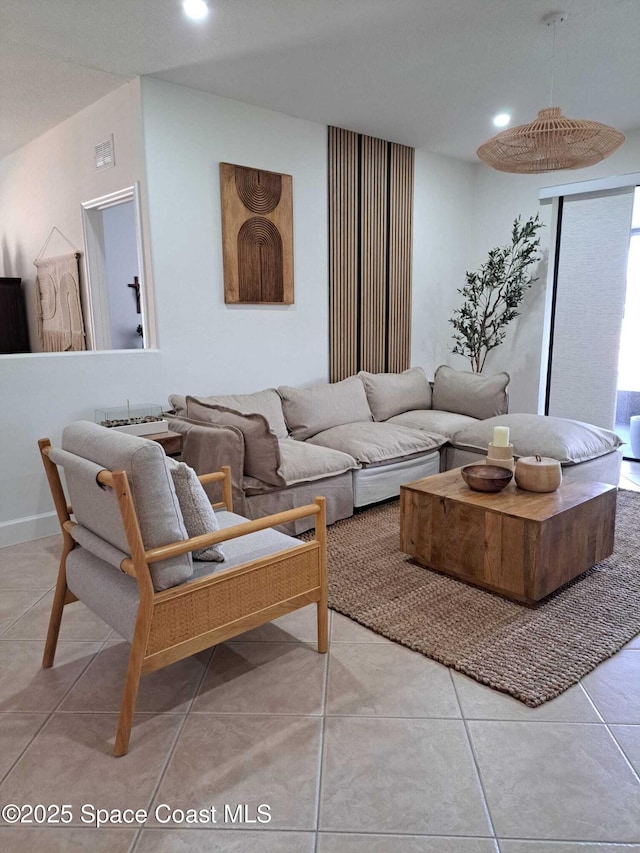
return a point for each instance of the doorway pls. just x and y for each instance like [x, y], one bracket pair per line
[628, 395]
[114, 293]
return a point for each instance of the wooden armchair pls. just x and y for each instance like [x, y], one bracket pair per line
[127, 555]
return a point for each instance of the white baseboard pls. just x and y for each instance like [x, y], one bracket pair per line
[31, 527]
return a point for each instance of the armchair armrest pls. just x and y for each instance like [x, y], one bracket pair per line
[223, 476]
[173, 549]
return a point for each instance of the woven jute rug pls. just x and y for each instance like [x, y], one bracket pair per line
[532, 653]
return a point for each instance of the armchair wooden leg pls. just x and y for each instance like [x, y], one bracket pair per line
[322, 609]
[323, 626]
[59, 598]
[129, 696]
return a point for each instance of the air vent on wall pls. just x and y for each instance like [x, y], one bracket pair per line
[104, 155]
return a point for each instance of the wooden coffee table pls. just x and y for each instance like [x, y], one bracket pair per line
[523, 545]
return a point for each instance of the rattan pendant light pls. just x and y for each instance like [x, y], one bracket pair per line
[551, 142]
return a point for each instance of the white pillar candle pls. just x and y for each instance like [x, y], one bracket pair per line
[501, 436]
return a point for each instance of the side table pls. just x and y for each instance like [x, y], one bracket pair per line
[170, 441]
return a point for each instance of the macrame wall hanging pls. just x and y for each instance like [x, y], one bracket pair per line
[58, 306]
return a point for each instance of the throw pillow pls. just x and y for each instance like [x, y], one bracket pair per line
[472, 394]
[392, 394]
[266, 403]
[197, 513]
[178, 404]
[261, 447]
[312, 410]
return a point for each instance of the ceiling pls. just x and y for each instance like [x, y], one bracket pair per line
[426, 73]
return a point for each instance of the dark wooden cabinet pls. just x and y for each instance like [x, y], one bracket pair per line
[14, 335]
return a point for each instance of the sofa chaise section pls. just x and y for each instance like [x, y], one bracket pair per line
[468, 406]
[586, 452]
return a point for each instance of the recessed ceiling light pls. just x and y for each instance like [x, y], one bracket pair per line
[502, 119]
[197, 10]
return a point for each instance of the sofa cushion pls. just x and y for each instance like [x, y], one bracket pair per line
[390, 394]
[376, 443]
[568, 441]
[433, 420]
[472, 394]
[303, 461]
[308, 411]
[199, 517]
[266, 403]
[88, 448]
[261, 449]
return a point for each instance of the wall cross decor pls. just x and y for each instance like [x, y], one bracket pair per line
[257, 235]
[136, 286]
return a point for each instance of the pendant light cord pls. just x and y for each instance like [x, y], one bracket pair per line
[553, 63]
[552, 20]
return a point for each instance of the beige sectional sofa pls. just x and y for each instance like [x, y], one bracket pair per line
[357, 440]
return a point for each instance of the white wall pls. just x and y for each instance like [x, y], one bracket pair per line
[443, 221]
[497, 200]
[215, 347]
[41, 185]
[44, 183]
[204, 346]
[460, 211]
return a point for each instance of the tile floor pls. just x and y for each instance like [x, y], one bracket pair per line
[370, 749]
[630, 475]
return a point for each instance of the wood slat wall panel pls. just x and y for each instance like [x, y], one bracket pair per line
[400, 257]
[370, 254]
[373, 254]
[343, 253]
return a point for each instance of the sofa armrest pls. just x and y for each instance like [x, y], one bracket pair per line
[207, 448]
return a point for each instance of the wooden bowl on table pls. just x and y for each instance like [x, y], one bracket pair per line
[486, 478]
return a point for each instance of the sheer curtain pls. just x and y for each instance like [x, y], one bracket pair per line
[590, 286]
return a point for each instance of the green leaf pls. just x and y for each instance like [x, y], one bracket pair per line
[493, 293]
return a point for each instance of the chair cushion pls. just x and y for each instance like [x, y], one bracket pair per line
[266, 403]
[472, 394]
[261, 449]
[250, 547]
[111, 595]
[374, 443]
[310, 410]
[198, 515]
[433, 420]
[568, 441]
[390, 394]
[98, 546]
[89, 448]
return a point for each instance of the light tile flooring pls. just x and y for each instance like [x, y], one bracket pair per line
[370, 749]
[630, 475]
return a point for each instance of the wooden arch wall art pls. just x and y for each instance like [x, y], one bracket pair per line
[257, 235]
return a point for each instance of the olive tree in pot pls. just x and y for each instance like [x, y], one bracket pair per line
[493, 294]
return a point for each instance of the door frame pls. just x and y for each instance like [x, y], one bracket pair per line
[95, 289]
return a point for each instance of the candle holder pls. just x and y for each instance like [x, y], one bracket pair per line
[500, 455]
